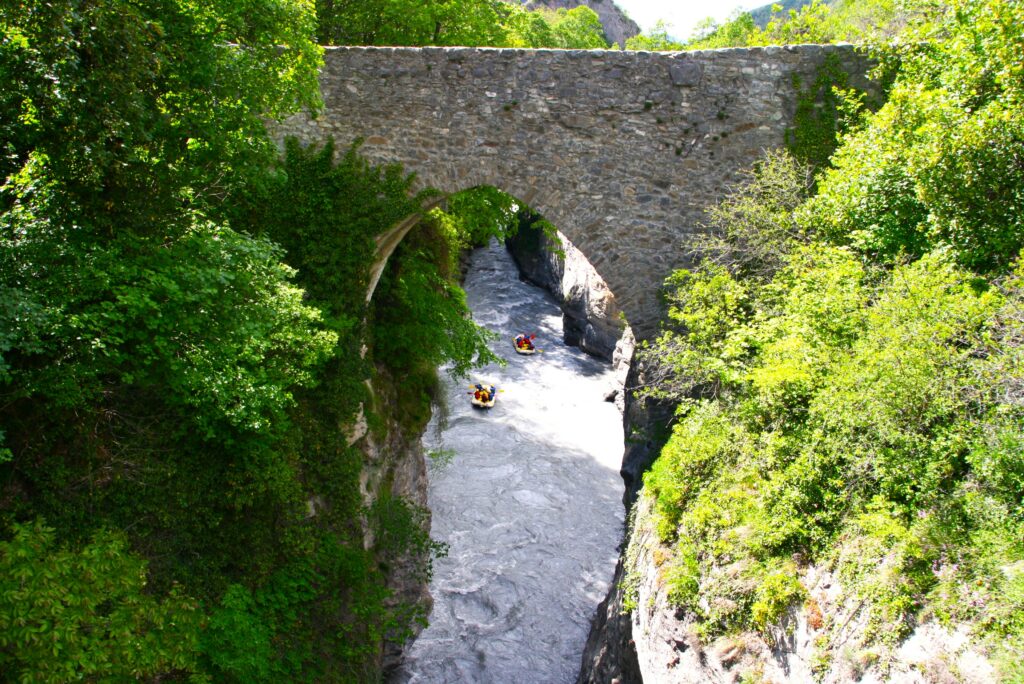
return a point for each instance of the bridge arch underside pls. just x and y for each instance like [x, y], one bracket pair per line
[622, 151]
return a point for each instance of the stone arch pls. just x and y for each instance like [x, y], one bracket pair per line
[389, 240]
[623, 151]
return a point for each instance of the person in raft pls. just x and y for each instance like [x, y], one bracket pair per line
[524, 341]
[483, 394]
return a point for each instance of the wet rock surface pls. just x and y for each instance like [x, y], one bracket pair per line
[591, 318]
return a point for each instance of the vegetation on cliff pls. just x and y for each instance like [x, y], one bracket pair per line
[848, 362]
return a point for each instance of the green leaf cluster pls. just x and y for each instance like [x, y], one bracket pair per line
[938, 165]
[68, 615]
[420, 317]
[656, 40]
[152, 109]
[838, 390]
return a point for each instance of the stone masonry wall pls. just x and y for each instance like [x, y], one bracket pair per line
[622, 151]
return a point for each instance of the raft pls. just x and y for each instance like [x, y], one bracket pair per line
[482, 404]
[485, 404]
[525, 351]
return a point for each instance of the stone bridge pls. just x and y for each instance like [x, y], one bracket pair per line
[622, 151]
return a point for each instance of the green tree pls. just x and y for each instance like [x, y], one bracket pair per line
[738, 31]
[86, 614]
[753, 228]
[150, 352]
[938, 164]
[656, 40]
[132, 121]
[421, 319]
[130, 113]
[410, 22]
[527, 29]
[494, 23]
[578, 28]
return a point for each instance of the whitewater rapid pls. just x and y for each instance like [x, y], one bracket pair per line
[527, 495]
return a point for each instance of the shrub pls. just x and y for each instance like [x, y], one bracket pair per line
[69, 614]
[776, 593]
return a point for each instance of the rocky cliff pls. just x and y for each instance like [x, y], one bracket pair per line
[638, 636]
[394, 467]
[591, 318]
[617, 26]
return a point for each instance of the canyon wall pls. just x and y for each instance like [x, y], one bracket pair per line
[591, 317]
[639, 636]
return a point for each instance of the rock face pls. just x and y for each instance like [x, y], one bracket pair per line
[591, 319]
[617, 26]
[610, 653]
[646, 424]
[656, 642]
[394, 462]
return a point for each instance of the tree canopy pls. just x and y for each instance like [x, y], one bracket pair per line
[493, 23]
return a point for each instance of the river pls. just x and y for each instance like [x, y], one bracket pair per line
[528, 499]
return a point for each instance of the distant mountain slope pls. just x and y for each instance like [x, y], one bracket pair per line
[617, 26]
[762, 15]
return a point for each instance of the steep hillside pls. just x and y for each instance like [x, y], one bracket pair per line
[617, 26]
[763, 14]
[839, 498]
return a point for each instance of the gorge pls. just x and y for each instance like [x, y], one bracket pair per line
[525, 494]
[678, 127]
[232, 303]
